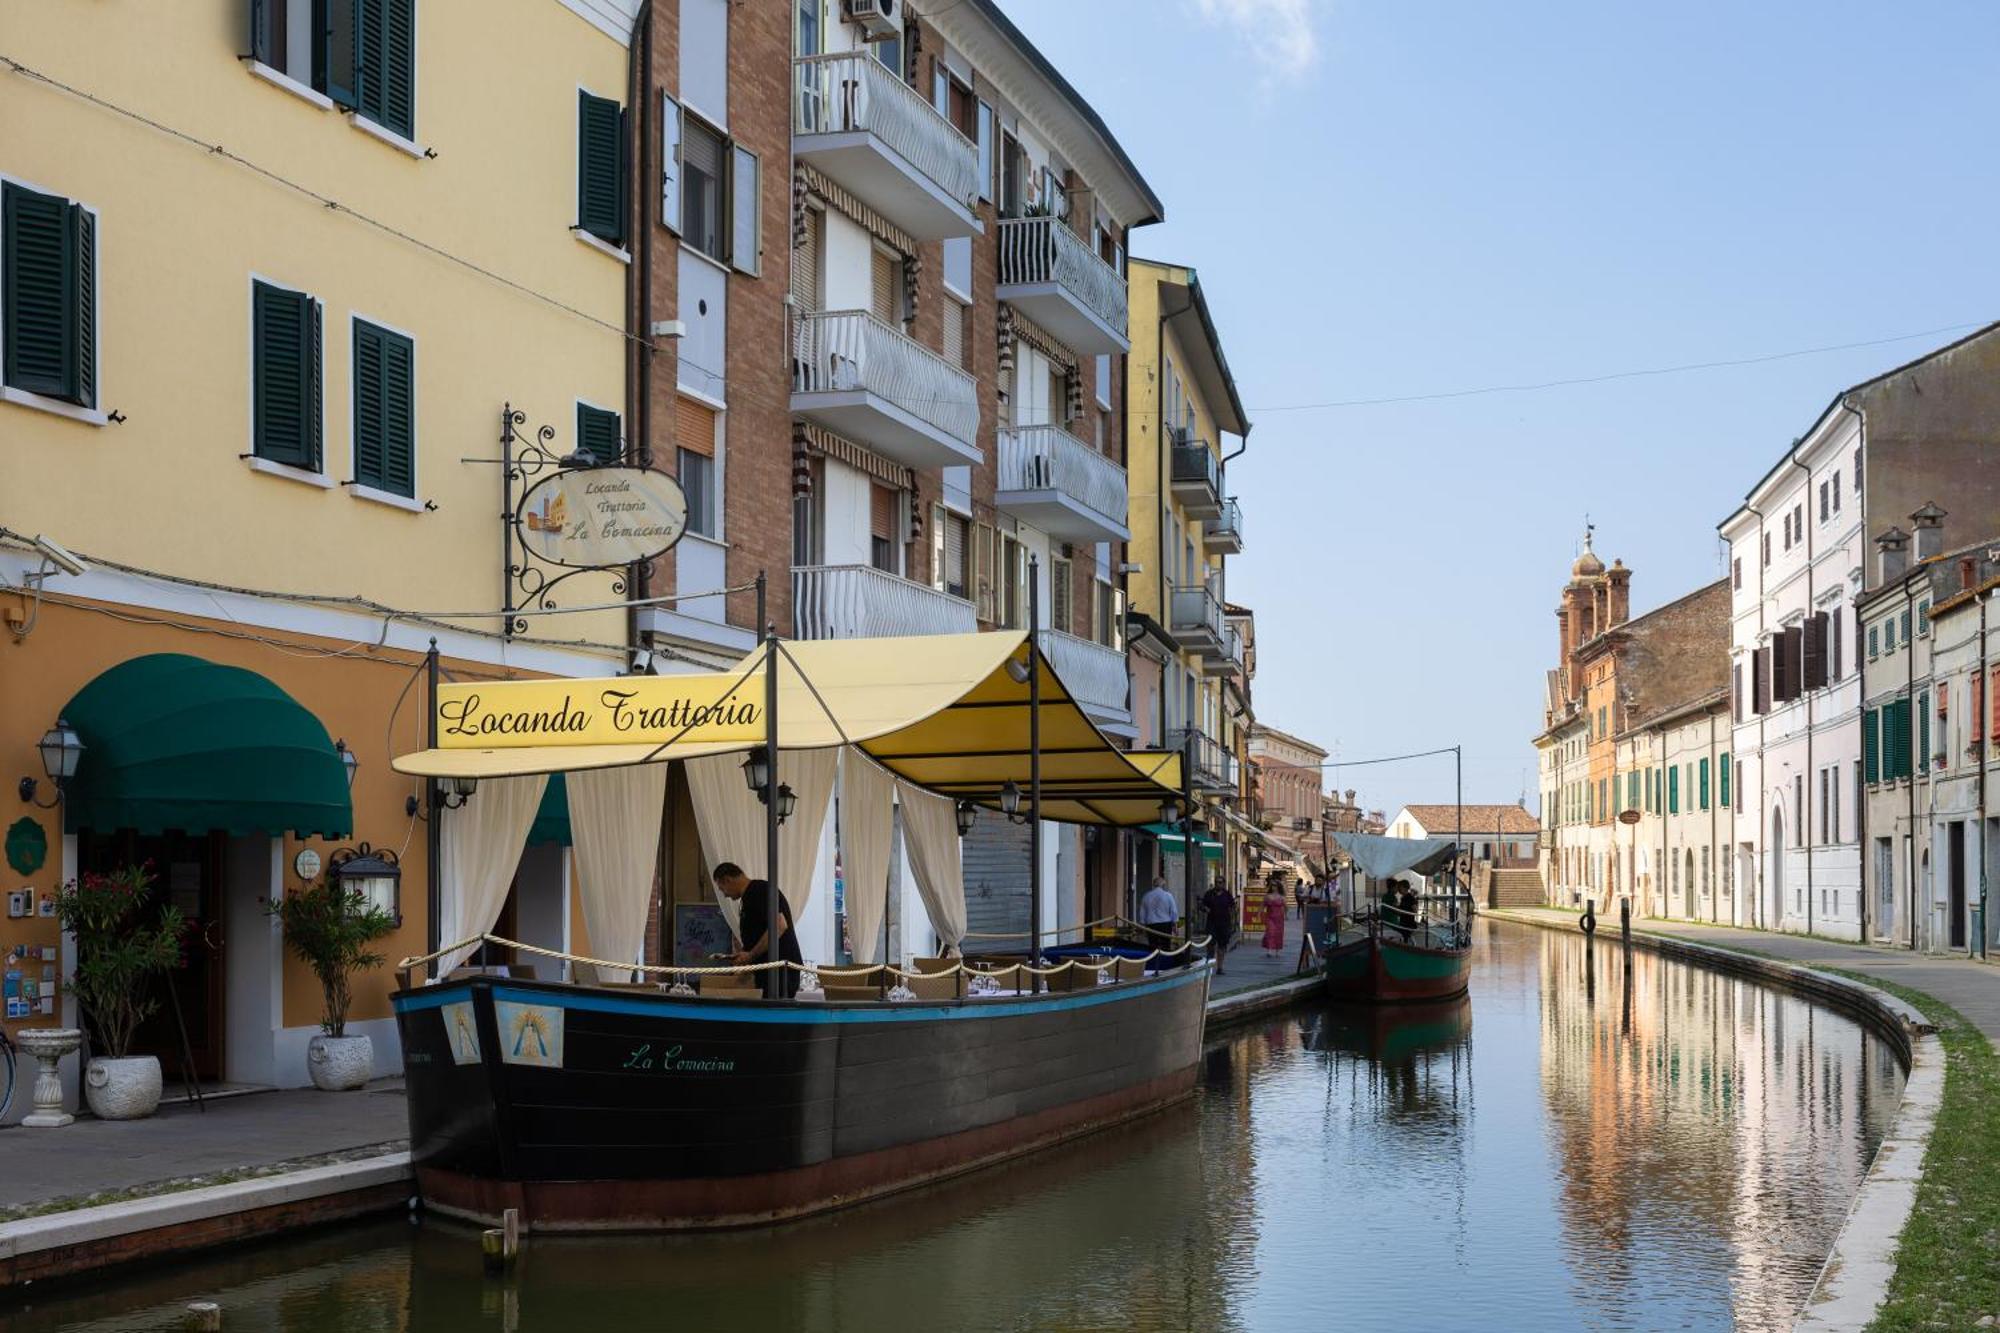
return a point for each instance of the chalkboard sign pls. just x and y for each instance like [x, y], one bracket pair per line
[1319, 920]
[700, 931]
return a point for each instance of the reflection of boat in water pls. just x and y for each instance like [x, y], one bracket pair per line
[1389, 1035]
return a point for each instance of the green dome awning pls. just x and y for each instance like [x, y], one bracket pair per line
[552, 815]
[176, 742]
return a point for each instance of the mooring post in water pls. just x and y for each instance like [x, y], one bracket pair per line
[1589, 917]
[202, 1316]
[1625, 921]
[499, 1245]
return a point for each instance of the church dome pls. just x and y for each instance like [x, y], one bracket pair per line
[1587, 565]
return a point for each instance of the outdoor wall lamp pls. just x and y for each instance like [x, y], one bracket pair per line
[60, 748]
[456, 791]
[757, 771]
[968, 814]
[1010, 802]
[347, 761]
[787, 802]
[376, 876]
[1170, 811]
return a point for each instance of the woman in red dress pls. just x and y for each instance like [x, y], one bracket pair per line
[1274, 919]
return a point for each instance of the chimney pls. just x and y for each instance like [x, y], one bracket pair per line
[1893, 560]
[1929, 523]
[1621, 595]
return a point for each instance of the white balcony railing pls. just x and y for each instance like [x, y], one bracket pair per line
[1049, 458]
[836, 351]
[1226, 532]
[1197, 611]
[1035, 250]
[1094, 675]
[862, 602]
[853, 91]
[1211, 763]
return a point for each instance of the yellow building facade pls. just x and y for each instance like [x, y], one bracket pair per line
[1189, 667]
[267, 293]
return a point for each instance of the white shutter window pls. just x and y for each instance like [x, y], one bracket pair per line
[984, 141]
[886, 287]
[941, 90]
[805, 265]
[1104, 381]
[954, 333]
[670, 164]
[745, 212]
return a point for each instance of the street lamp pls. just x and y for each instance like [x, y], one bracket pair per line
[1010, 802]
[1170, 811]
[376, 876]
[787, 802]
[60, 748]
[757, 771]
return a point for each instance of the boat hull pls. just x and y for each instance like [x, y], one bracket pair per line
[586, 1108]
[1387, 971]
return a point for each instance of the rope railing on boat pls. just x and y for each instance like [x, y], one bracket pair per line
[680, 971]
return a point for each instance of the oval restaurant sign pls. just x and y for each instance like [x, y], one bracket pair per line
[1628, 816]
[595, 517]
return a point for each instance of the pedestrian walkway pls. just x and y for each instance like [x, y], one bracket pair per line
[1248, 967]
[1972, 988]
[236, 1135]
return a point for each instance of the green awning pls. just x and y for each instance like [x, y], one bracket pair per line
[176, 742]
[552, 815]
[1211, 850]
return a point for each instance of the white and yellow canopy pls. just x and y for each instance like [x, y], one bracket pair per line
[945, 712]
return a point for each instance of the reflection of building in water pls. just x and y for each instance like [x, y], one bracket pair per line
[1683, 1103]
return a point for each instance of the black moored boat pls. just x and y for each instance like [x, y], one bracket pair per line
[588, 1107]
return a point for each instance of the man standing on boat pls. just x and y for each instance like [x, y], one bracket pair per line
[752, 899]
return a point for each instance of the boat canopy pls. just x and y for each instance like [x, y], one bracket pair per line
[949, 713]
[1383, 857]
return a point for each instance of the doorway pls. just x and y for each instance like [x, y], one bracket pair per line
[1954, 852]
[187, 873]
[1885, 889]
[1776, 877]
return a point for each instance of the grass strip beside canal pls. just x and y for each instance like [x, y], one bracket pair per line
[1947, 1276]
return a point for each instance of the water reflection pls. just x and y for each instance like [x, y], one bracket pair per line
[1650, 1146]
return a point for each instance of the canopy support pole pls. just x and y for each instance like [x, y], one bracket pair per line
[1187, 829]
[433, 844]
[773, 932]
[1034, 770]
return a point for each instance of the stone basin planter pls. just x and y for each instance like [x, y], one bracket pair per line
[122, 1089]
[48, 1046]
[340, 1064]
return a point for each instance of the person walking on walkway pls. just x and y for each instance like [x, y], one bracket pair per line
[1157, 913]
[1274, 919]
[1218, 907]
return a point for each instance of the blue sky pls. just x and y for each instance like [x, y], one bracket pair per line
[1405, 198]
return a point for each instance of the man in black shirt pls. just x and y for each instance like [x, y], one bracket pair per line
[753, 904]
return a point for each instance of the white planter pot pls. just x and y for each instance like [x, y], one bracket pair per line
[124, 1089]
[340, 1064]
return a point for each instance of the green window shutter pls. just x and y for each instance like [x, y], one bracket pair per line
[385, 48]
[1723, 780]
[1674, 790]
[1704, 783]
[384, 410]
[286, 389]
[1924, 732]
[600, 168]
[48, 272]
[597, 434]
[1871, 755]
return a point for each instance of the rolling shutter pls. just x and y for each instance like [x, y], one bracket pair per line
[597, 434]
[384, 410]
[694, 427]
[954, 333]
[286, 405]
[885, 288]
[881, 513]
[50, 284]
[805, 263]
[600, 168]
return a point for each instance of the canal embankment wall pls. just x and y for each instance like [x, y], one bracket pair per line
[1854, 1279]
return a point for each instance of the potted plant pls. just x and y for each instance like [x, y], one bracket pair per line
[118, 952]
[331, 926]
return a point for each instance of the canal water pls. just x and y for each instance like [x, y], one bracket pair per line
[1587, 1142]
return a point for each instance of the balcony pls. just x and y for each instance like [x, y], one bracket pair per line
[862, 602]
[1196, 620]
[1061, 485]
[860, 378]
[853, 119]
[1197, 477]
[1052, 277]
[1228, 659]
[1095, 676]
[1225, 534]
[1211, 767]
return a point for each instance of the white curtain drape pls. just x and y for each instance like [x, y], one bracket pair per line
[867, 831]
[930, 831]
[481, 845]
[731, 818]
[614, 821]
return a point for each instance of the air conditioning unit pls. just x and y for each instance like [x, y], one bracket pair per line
[876, 17]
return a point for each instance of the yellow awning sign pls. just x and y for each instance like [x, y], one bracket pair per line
[628, 710]
[944, 712]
